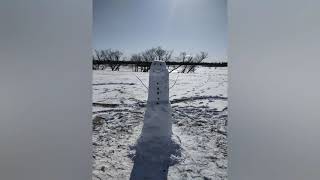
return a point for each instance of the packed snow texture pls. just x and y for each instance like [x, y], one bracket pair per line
[157, 122]
[198, 148]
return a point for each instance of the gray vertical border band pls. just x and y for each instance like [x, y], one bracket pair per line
[274, 89]
[45, 94]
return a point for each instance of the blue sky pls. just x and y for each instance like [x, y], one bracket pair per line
[180, 25]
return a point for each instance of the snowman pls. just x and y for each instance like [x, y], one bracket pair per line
[157, 117]
[155, 146]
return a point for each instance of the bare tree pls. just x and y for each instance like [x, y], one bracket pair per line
[117, 55]
[181, 58]
[168, 55]
[188, 59]
[157, 53]
[97, 55]
[112, 55]
[136, 58]
[184, 58]
[199, 58]
[162, 54]
[149, 55]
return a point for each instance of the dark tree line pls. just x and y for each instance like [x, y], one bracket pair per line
[150, 55]
[109, 55]
[113, 59]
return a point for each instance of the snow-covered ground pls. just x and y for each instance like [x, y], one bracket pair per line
[199, 114]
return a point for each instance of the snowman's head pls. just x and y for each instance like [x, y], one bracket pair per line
[158, 66]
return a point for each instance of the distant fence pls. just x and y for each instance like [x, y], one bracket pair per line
[169, 63]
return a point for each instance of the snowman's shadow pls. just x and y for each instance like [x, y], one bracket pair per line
[153, 159]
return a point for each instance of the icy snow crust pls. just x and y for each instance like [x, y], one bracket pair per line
[198, 147]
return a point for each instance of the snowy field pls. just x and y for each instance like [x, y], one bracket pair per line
[199, 113]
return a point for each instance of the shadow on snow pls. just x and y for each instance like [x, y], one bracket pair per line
[153, 159]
